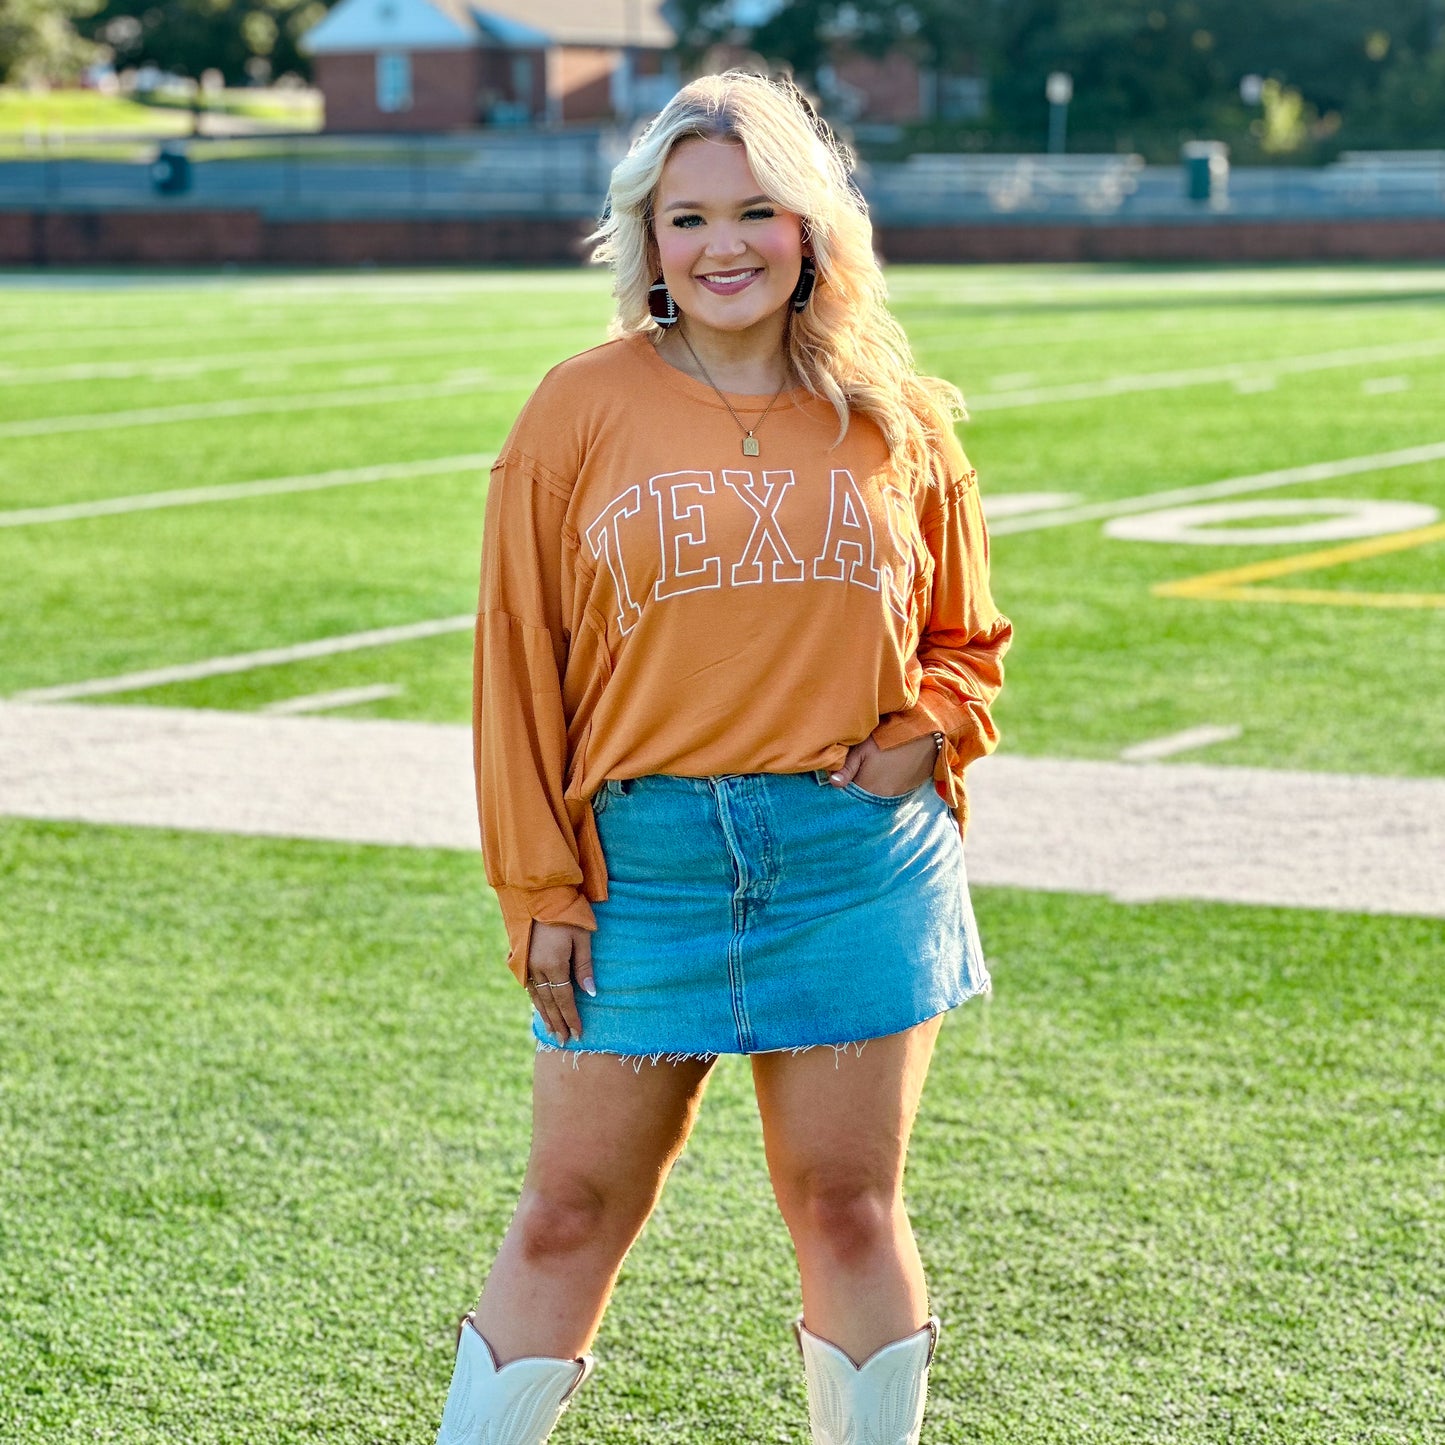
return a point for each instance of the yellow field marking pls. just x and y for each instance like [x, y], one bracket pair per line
[1234, 584]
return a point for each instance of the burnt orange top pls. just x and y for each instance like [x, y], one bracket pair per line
[654, 601]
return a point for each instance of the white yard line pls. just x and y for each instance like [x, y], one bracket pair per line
[1001, 285]
[330, 701]
[162, 368]
[238, 491]
[239, 406]
[1228, 487]
[1246, 376]
[1384, 385]
[1133, 831]
[80, 333]
[247, 661]
[1229, 371]
[1017, 504]
[1181, 742]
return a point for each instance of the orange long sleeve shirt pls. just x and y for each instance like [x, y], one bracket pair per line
[654, 601]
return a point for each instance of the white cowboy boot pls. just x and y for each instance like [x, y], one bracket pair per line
[877, 1403]
[516, 1405]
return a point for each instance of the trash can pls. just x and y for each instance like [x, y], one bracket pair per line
[171, 171]
[1206, 170]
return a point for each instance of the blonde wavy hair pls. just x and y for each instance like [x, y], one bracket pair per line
[845, 344]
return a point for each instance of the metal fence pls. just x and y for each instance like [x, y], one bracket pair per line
[564, 174]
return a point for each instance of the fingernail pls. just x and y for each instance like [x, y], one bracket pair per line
[589, 988]
[835, 777]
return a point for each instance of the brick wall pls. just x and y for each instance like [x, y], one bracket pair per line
[445, 85]
[889, 83]
[1395, 239]
[445, 240]
[582, 81]
[183, 236]
[146, 238]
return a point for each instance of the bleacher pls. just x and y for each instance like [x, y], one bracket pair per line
[1010, 183]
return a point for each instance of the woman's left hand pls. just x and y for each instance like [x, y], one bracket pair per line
[888, 772]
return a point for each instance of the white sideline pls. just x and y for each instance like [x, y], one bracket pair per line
[328, 701]
[239, 406]
[1131, 831]
[1229, 487]
[235, 491]
[1181, 742]
[247, 661]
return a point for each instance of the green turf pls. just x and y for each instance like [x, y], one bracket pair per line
[263, 1105]
[1100, 663]
[263, 1115]
[56, 112]
[59, 112]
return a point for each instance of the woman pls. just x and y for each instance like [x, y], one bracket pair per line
[735, 647]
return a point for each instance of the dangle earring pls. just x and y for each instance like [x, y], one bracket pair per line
[807, 279]
[660, 305]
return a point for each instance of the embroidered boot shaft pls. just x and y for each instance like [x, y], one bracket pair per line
[516, 1405]
[878, 1403]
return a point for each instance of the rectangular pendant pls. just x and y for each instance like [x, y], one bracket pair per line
[750, 446]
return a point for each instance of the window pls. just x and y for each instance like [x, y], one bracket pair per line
[393, 80]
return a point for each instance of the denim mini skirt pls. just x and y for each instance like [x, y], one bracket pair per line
[760, 911]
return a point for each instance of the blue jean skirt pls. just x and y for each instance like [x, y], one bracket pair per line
[762, 911]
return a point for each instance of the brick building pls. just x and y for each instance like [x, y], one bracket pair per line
[440, 65]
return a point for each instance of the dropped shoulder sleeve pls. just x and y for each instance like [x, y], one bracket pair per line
[518, 724]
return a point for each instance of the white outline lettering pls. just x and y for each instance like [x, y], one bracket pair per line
[898, 582]
[843, 516]
[603, 526]
[787, 567]
[711, 568]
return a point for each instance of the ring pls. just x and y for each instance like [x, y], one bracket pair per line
[542, 983]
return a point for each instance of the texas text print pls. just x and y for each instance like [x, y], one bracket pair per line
[682, 502]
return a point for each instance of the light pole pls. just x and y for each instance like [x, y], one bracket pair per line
[1060, 90]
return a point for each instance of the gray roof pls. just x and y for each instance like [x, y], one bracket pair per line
[366, 25]
[569, 22]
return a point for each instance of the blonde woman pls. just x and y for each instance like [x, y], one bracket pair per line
[735, 649]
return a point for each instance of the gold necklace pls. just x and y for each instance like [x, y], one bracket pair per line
[750, 442]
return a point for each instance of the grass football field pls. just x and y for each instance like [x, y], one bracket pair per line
[263, 1103]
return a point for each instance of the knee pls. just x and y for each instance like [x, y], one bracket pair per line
[848, 1218]
[561, 1219]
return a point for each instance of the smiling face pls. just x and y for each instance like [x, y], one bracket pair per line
[729, 255]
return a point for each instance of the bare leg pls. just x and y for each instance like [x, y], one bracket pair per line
[836, 1132]
[604, 1136]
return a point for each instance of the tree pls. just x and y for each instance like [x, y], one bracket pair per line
[1409, 108]
[38, 42]
[802, 34]
[1147, 73]
[243, 39]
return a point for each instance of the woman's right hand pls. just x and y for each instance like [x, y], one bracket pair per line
[558, 955]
